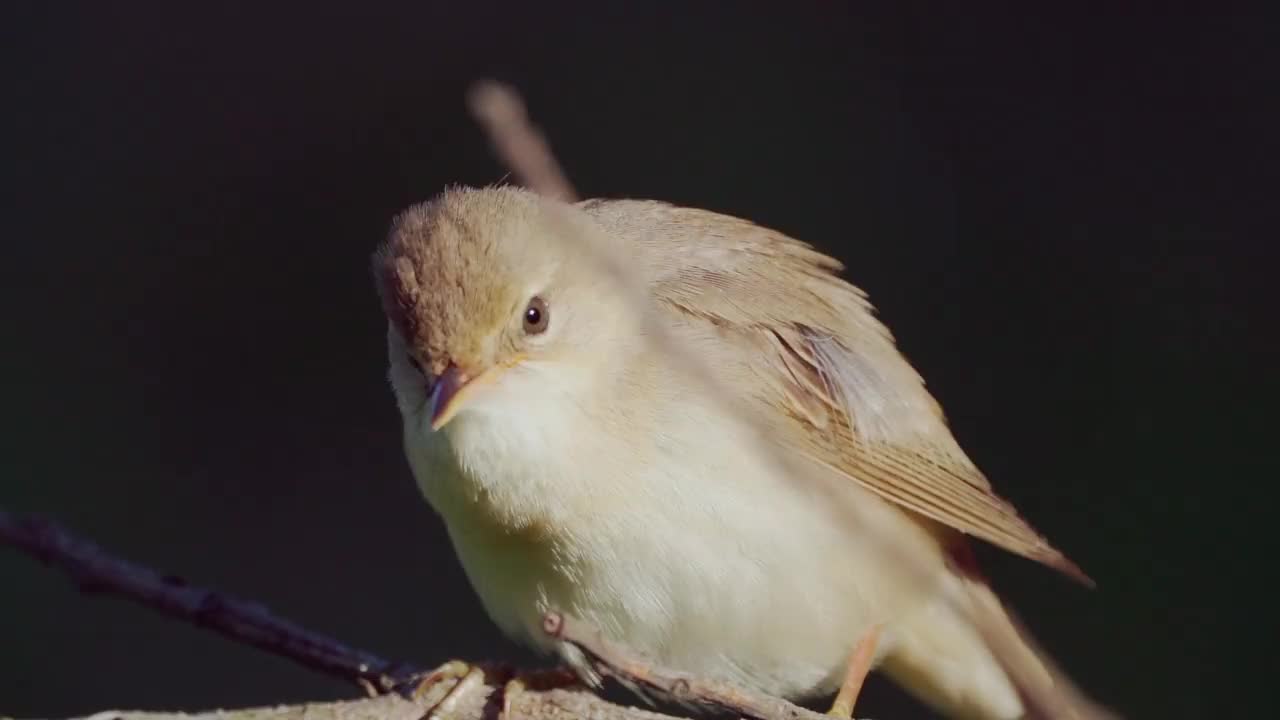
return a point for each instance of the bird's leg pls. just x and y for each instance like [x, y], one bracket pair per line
[855, 673]
[537, 680]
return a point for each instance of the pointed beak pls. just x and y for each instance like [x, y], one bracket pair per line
[447, 395]
[452, 390]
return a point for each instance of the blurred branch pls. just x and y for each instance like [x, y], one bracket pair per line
[517, 142]
[97, 571]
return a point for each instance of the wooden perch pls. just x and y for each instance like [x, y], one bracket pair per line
[479, 705]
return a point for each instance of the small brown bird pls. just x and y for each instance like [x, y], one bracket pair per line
[732, 469]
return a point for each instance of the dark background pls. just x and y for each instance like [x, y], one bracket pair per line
[1065, 215]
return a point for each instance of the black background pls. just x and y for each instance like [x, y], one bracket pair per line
[1064, 214]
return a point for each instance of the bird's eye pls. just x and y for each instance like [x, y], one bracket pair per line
[536, 316]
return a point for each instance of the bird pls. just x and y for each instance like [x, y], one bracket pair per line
[689, 431]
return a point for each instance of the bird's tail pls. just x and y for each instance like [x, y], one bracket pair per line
[1047, 693]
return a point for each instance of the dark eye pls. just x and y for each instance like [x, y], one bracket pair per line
[413, 363]
[536, 316]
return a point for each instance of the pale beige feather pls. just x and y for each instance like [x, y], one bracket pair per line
[816, 349]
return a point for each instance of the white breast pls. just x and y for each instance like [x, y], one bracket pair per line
[684, 544]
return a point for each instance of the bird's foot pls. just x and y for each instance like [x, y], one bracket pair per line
[469, 677]
[466, 677]
[855, 674]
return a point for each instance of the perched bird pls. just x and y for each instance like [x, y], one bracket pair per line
[723, 463]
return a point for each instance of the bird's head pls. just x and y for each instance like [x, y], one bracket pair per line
[496, 306]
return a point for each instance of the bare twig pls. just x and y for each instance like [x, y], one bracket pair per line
[96, 570]
[520, 145]
[622, 664]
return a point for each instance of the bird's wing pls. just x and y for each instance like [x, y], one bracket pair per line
[850, 400]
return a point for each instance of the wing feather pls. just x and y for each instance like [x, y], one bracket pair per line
[849, 399]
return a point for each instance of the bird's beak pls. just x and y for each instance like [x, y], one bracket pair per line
[452, 390]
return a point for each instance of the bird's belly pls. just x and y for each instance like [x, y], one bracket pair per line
[721, 570]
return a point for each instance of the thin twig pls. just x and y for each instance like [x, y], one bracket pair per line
[97, 571]
[522, 147]
[625, 666]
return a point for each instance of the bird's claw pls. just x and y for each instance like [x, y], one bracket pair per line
[468, 677]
